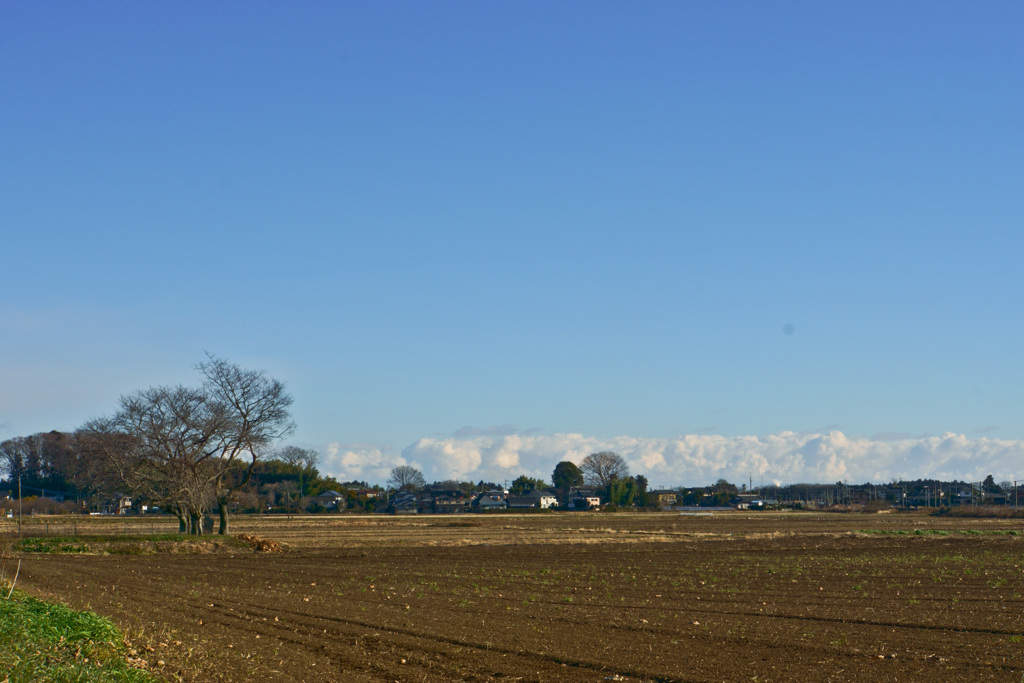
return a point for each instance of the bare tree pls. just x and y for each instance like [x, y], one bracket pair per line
[190, 448]
[600, 469]
[304, 460]
[257, 408]
[163, 443]
[406, 477]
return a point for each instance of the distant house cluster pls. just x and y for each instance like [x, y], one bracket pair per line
[333, 500]
[903, 494]
[464, 497]
[447, 499]
[450, 499]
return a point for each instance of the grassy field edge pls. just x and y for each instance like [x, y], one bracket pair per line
[45, 641]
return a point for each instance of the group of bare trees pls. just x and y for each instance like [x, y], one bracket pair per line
[188, 449]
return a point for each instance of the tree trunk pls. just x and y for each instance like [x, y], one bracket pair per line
[182, 522]
[222, 510]
[196, 523]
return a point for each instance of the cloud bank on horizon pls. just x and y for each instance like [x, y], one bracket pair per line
[695, 459]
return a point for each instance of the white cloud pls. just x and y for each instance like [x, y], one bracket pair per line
[450, 458]
[784, 457]
[359, 462]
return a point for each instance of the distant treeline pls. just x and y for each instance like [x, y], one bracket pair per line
[55, 465]
[58, 470]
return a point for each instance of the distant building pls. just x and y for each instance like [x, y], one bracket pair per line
[662, 497]
[449, 503]
[584, 499]
[534, 499]
[330, 499]
[490, 500]
[405, 503]
[124, 504]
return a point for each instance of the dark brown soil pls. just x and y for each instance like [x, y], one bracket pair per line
[817, 603]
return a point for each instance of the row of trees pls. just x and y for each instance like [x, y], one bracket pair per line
[288, 480]
[606, 472]
[52, 461]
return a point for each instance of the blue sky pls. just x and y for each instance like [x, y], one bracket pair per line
[452, 221]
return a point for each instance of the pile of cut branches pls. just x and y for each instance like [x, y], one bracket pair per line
[263, 545]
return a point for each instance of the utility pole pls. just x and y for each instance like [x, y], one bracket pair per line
[19, 503]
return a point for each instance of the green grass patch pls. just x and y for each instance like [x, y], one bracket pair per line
[47, 642]
[51, 545]
[127, 545]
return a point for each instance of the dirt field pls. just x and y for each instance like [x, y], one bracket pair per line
[574, 597]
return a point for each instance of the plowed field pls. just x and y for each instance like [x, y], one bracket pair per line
[584, 597]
